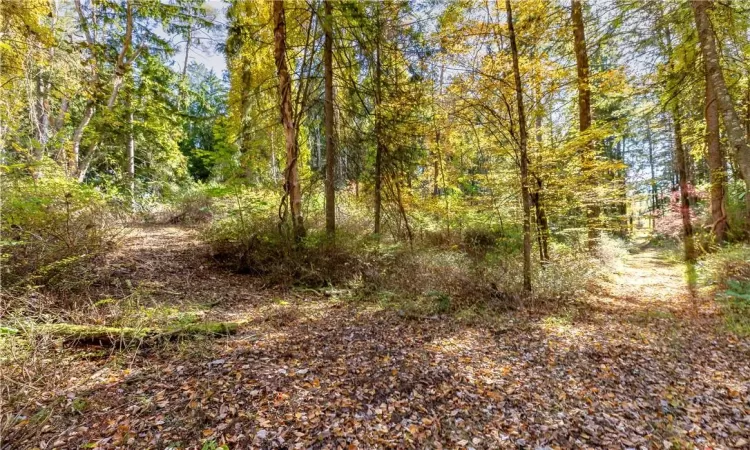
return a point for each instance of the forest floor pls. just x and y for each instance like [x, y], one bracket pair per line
[635, 363]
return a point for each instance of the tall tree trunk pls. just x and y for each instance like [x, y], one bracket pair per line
[330, 143]
[437, 154]
[622, 205]
[681, 161]
[717, 171]
[380, 145]
[188, 44]
[80, 164]
[652, 166]
[584, 118]
[523, 143]
[291, 174]
[714, 73]
[537, 200]
[131, 152]
[75, 157]
[42, 113]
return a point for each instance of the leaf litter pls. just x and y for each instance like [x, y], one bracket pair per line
[333, 374]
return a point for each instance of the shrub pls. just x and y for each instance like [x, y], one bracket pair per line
[729, 271]
[195, 204]
[735, 301]
[483, 268]
[192, 206]
[53, 228]
[729, 263]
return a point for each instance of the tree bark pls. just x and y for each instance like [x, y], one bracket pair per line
[584, 118]
[523, 143]
[714, 73]
[88, 113]
[291, 174]
[131, 153]
[652, 166]
[380, 145]
[80, 163]
[717, 171]
[681, 162]
[330, 184]
[537, 200]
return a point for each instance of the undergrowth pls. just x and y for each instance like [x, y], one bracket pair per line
[728, 272]
[53, 232]
[442, 270]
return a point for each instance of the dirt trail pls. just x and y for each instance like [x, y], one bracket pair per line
[636, 365]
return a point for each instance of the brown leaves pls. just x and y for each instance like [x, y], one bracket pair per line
[352, 377]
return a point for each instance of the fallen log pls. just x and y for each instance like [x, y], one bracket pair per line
[74, 334]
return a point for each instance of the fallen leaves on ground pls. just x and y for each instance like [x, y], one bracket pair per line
[330, 374]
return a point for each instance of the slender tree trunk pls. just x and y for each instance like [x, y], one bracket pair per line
[291, 173]
[330, 184]
[714, 73]
[188, 44]
[42, 113]
[537, 198]
[622, 205]
[584, 117]
[523, 154]
[80, 164]
[131, 152]
[717, 170]
[380, 146]
[654, 188]
[75, 157]
[438, 141]
[681, 161]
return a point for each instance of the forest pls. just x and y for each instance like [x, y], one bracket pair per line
[314, 224]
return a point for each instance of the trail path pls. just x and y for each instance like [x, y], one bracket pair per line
[638, 364]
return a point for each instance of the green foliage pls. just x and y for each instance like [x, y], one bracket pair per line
[728, 263]
[204, 136]
[212, 445]
[735, 301]
[439, 275]
[53, 229]
[735, 209]
[728, 270]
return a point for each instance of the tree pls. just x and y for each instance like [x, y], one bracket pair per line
[380, 148]
[292, 189]
[584, 114]
[717, 169]
[715, 76]
[330, 182]
[523, 154]
[80, 163]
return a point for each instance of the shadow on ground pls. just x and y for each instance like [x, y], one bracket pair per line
[627, 367]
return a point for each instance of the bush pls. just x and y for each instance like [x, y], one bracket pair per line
[486, 270]
[735, 301]
[194, 204]
[53, 229]
[729, 263]
[729, 271]
[255, 245]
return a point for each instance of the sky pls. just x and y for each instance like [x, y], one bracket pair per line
[206, 53]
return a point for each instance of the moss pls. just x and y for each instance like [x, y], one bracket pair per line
[8, 330]
[93, 334]
[205, 329]
[79, 405]
[125, 336]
